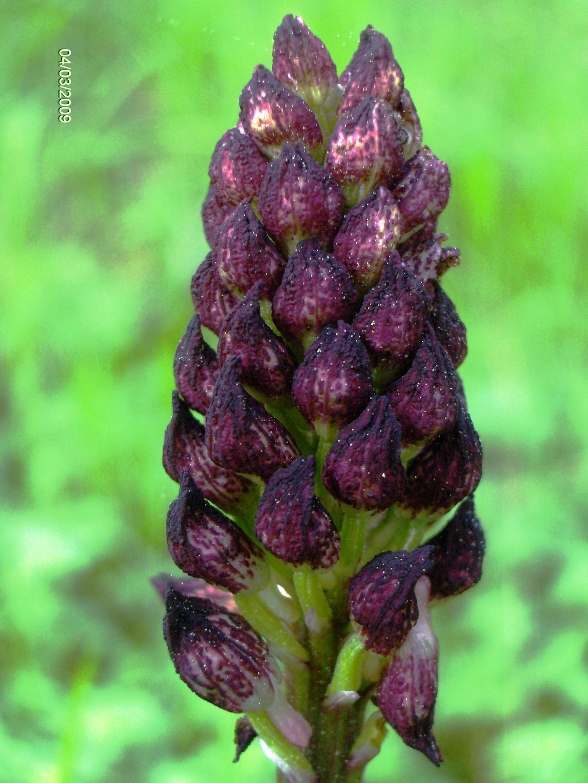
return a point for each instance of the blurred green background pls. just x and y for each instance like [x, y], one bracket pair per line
[99, 235]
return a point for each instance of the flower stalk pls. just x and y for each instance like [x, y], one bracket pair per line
[319, 425]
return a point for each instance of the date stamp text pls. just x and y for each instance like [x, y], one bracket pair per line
[64, 85]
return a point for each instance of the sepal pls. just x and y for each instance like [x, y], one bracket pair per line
[237, 167]
[448, 326]
[271, 114]
[266, 364]
[316, 291]
[240, 434]
[382, 601]
[299, 199]
[292, 523]
[408, 689]
[459, 553]
[373, 72]
[195, 368]
[363, 467]
[333, 384]
[212, 299]
[207, 545]
[422, 192]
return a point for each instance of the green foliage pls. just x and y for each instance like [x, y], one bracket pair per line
[99, 235]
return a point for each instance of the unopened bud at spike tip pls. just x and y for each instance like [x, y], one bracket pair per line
[373, 72]
[271, 114]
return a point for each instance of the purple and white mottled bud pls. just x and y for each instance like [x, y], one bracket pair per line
[193, 587]
[301, 62]
[367, 236]
[373, 72]
[365, 150]
[245, 253]
[411, 132]
[184, 449]
[299, 199]
[425, 399]
[266, 364]
[422, 192]
[446, 471]
[272, 114]
[292, 523]
[382, 603]
[333, 384]
[240, 434]
[207, 545]
[237, 167]
[195, 368]
[422, 252]
[212, 299]
[316, 291]
[363, 468]
[448, 326]
[408, 690]
[392, 316]
[459, 553]
[214, 212]
[218, 654]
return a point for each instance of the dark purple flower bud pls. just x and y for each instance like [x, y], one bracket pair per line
[392, 316]
[240, 434]
[184, 449]
[193, 587]
[446, 471]
[206, 544]
[411, 132]
[367, 236]
[425, 399]
[302, 63]
[272, 114]
[408, 689]
[422, 252]
[448, 326]
[459, 553]
[218, 654]
[334, 383]
[237, 167]
[212, 300]
[316, 290]
[244, 736]
[382, 602]
[373, 72]
[195, 368]
[363, 468]
[422, 192]
[292, 523]
[299, 199]
[365, 150]
[266, 363]
[214, 212]
[245, 254]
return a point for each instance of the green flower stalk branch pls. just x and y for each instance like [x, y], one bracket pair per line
[320, 435]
